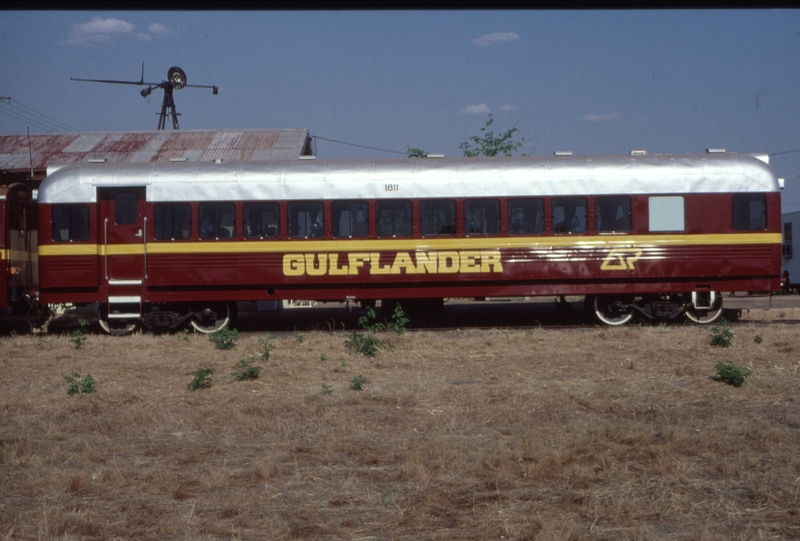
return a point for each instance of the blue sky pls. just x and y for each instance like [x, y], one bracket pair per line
[594, 82]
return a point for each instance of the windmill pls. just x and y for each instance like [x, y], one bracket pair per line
[176, 80]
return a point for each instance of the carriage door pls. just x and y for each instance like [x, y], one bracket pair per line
[123, 230]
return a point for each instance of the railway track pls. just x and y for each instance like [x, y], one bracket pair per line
[457, 315]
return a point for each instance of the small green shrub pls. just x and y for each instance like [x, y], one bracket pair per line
[184, 335]
[201, 379]
[246, 371]
[758, 339]
[358, 383]
[722, 334]
[265, 346]
[78, 385]
[732, 374]
[78, 337]
[399, 321]
[366, 342]
[326, 389]
[224, 338]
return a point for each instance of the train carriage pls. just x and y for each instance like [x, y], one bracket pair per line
[18, 248]
[655, 235]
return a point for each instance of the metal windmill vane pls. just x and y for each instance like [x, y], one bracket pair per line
[176, 80]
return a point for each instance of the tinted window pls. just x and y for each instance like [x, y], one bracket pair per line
[217, 220]
[526, 216]
[437, 217]
[394, 218]
[482, 217]
[350, 218]
[612, 214]
[749, 212]
[125, 208]
[172, 221]
[261, 220]
[569, 214]
[306, 219]
[70, 223]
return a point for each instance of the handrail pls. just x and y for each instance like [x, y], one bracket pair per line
[105, 246]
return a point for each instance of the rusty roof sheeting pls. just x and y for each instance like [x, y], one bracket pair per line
[151, 146]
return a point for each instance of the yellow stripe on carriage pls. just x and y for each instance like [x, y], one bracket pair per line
[389, 245]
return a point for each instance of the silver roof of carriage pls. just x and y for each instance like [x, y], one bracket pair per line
[419, 177]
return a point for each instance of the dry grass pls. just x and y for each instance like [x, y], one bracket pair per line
[589, 433]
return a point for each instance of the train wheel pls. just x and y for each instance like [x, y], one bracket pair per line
[117, 327]
[213, 317]
[705, 316]
[613, 310]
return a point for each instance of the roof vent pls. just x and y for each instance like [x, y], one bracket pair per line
[97, 160]
[184, 159]
[715, 150]
[638, 153]
[218, 160]
[562, 153]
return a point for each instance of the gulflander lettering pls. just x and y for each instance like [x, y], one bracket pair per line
[446, 262]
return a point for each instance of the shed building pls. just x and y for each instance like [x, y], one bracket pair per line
[25, 158]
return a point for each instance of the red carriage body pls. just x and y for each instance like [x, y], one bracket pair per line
[657, 235]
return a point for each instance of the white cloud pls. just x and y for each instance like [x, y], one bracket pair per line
[100, 30]
[600, 118]
[507, 107]
[487, 39]
[157, 28]
[480, 109]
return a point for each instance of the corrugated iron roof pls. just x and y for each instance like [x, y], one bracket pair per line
[152, 146]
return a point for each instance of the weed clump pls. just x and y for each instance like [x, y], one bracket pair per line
[247, 371]
[201, 379]
[265, 346]
[722, 334]
[80, 385]
[357, 384]
[732, 374]
[367, 341]
[224, 338]
[78, 337]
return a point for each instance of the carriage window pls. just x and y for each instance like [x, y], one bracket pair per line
[393, 218]
[438, 217]
[350, 218]
[482, 217]
[525, 216]
[261, 220]
[569, 214]
[70, 223]
[172, 221]
[125, 208]
[217, 220]
[749, 211]
[306, 219]
[666, 213]
[612, 214]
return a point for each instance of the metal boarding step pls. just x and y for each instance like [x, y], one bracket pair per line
[124, 307]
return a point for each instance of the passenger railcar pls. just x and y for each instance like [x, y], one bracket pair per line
[18, 248]
[654, 235]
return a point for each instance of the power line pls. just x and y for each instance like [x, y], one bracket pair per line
[22, 112]
[785, 152]
[359, 146]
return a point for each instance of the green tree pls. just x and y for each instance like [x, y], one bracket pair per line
[416, 153]
[490, 144]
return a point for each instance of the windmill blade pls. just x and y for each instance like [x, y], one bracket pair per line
[139, 83]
